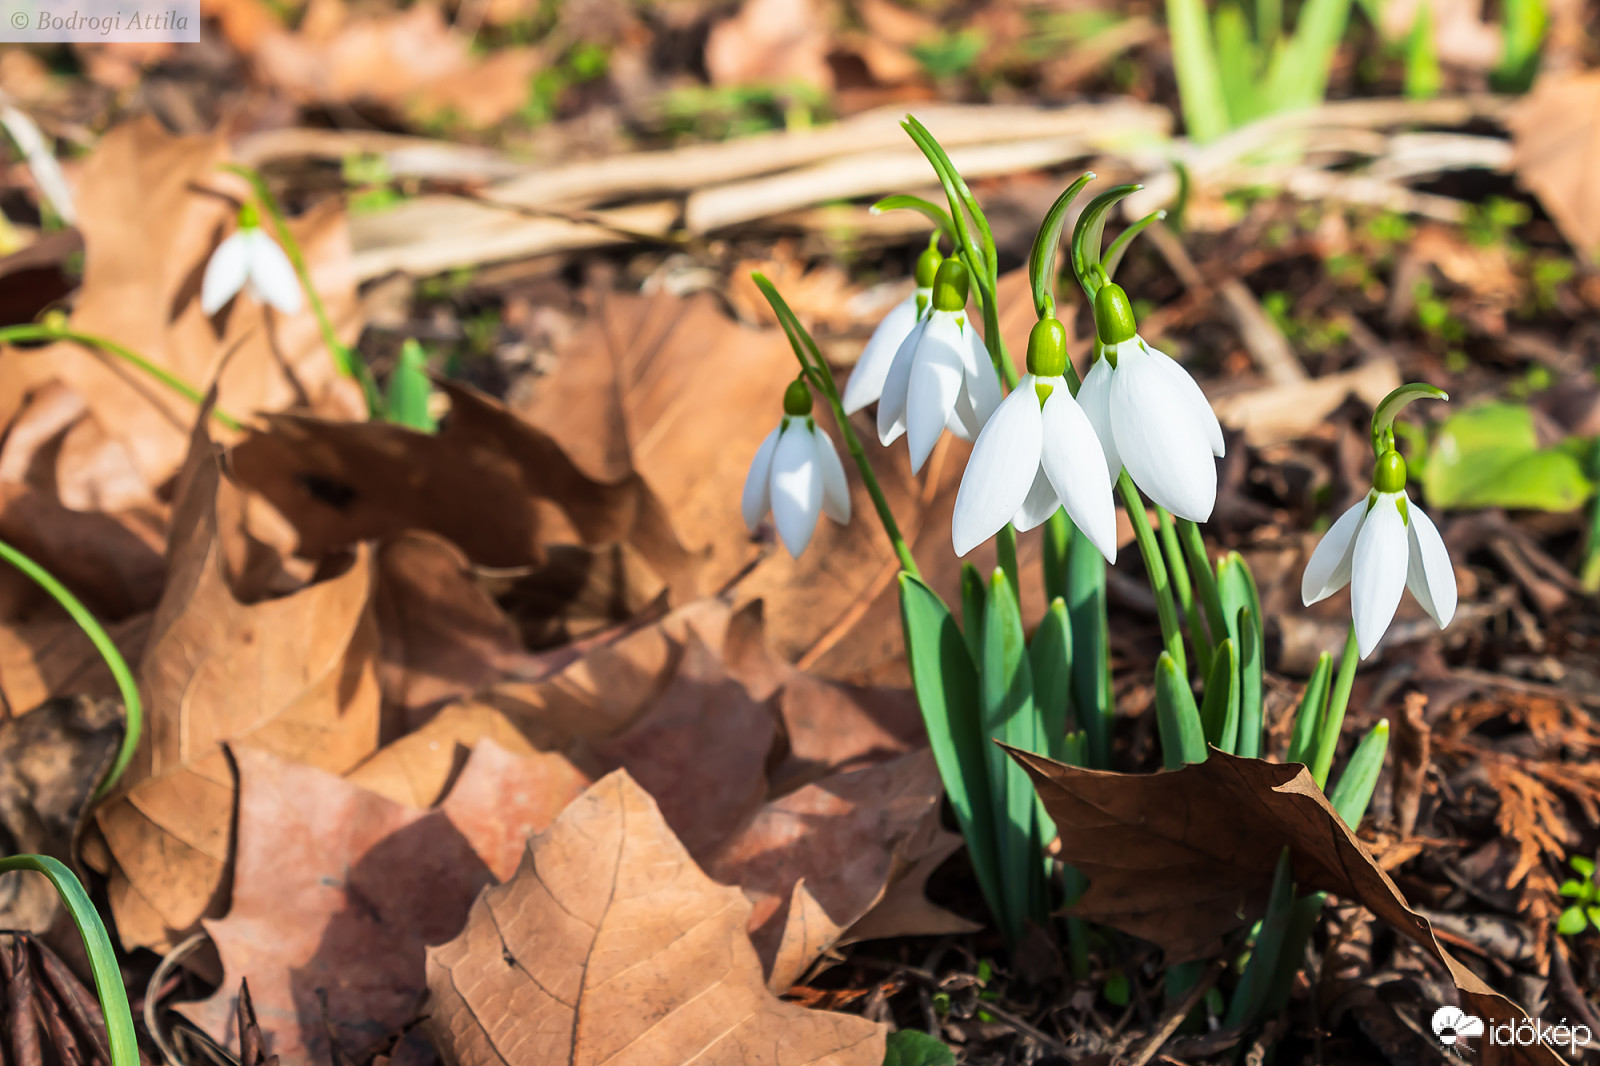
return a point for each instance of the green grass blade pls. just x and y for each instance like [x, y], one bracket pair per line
[1205, 110]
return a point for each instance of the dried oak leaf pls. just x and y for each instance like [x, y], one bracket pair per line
[1185, 857]
[294, 675]
[610, 946]
[487, 481]
[152, 208]
[416, 769]
[54, 657]
[1555, 132]
[338, 892]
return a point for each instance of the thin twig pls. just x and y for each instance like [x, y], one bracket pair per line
[152, 997]
[1176, 1014]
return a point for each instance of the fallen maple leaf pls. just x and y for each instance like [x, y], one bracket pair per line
[771, 41]
[1556, 136]
[294, 675]
[1185, 857]
[610, 945]
[416, 768]
[338, 891]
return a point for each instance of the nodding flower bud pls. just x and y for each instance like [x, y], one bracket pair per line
[928, 266]
[54, 320]
[1389, 472]
[797, 399]
[1113, 315]
[249, 215]
[950, 286]
[1047, 348]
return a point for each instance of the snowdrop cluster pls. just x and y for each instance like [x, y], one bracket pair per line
[250, 260]
[795, 476]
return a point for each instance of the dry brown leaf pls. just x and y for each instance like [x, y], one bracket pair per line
[416, 768]
[771, 41]
[610, 941]
[338, 892]
[1184, 858]
[1556, 133]
[294, 675]
[49, 658]
[152, 208]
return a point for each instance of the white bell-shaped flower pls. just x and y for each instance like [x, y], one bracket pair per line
[1037, 453]
[941, 377]
[796, 475]
[866, 379]
[250, 260]
[1382, 546]
[1150, 415]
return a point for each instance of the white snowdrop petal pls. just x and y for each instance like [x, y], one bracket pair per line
[226, 273]
[1378, 572]
[892, 402]
[1094, 397]
[963, 421]
[796, 487]
[1001, 470]
[1040, 503]
[272, 276]
[1328, 569]
[1073, 460]
[983, 385]
[937, 378]
[1429, 575]
[757, 498]
[835, 488]
[1199, 407]
[867, 377]
[1166, 452]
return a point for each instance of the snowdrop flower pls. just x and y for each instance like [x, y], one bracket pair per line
[866, 380]
[1149, 414]
[941, 377]
[250, 260]
[1380, 547]
[1037, 453]
[796, 475]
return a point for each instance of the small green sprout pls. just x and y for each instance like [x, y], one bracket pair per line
[1584, 891]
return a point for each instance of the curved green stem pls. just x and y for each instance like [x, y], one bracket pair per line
[107, 648]
[818, 372]
[1156, 570]
[1338, 700]
[41, 332]
[122, 1040]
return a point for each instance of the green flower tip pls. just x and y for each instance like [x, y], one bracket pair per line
[928, 267]
[797, 399]
[249, 215]
[1389, 472]
[950, 286]
[1047, 348]
[1113, 315]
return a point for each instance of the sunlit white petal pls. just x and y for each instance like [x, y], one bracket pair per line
[983, 385]
[1199, 407]
[1001, 470]
[896, 383]
[866, 379]
[796, 487]
[937, 379]
[1094, 396]
[835, 489]
[1040, 503]
[226, 273]
[1328, 569]
[1072, 459]
[1429, 575]
[272, 276]
[1167, 452]
[757, 498]
[1378, 571]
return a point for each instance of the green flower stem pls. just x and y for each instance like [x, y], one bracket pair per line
[123, 1041]
[817, 371]
[1156, 570]
[1178, 570]
[343, 358]
[1205, 577]
[1333, 722]
[105, 646]
[42, 332]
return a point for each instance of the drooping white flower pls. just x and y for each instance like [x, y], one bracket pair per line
[1037, 453]
[796, 475]
[250, 260]
[1382, 546]
[941, 377]
[866, 379]
[1150, 415]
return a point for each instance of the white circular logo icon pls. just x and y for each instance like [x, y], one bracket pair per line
[1452, 1023]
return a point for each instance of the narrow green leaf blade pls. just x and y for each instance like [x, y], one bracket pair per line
[1353, 791]
[1051, 659]
[1006, 683]
[1308, 719]
[1091, 647]
[1183, 739]
[1219, 711]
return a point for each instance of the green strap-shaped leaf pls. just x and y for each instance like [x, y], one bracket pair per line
[946, 683]
[1006, 682]
[1353, 791]
[1236, 588]
[1183, 739]
[1313, 705]
[1194, 57]
[1219, 712]
[1255, 986]
[974, 595]
[409, 388]
[1050, 656]
[1091, 647]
